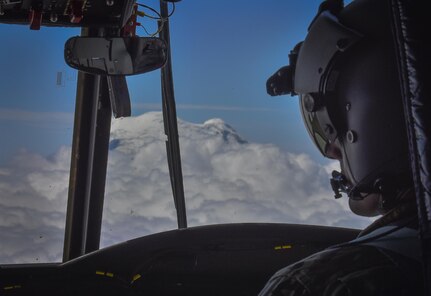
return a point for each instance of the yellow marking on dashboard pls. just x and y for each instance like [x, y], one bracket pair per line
[136, 277]
[12, 287]
[285, 247]
[108, 274]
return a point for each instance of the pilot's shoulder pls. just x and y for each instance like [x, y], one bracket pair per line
[349, 270]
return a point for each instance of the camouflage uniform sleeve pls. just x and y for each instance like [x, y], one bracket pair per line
[354, 270]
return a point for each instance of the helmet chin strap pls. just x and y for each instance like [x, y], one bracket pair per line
[388, 189]
[340, 184]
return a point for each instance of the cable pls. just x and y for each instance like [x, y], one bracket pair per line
[158, 17]
[155, 33]
[173, 9]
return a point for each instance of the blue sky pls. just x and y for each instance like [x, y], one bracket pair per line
[223, 52]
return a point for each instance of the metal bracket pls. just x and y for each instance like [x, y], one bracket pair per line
[119, 96]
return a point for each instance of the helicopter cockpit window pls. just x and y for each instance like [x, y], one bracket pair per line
[246, 157]
[37, 101]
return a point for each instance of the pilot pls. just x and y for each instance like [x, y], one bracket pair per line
[346, 75]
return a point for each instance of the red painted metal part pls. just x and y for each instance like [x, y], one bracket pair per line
[35, 19]
[76, 11]
[129, 29]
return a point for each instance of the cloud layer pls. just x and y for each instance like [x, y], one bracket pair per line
[226, 180]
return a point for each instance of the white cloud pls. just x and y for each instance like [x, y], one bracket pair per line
[33, 196]
[226, 180]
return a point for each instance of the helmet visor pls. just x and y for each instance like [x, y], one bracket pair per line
[314, 129]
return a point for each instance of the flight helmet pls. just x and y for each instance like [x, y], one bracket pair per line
[345, 73]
